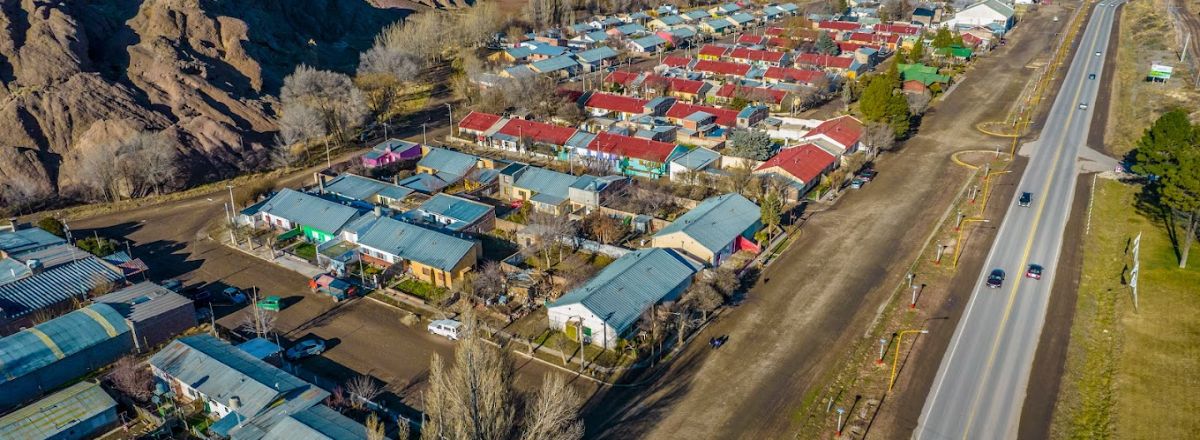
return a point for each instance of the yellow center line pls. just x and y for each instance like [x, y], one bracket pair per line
[1029, 243]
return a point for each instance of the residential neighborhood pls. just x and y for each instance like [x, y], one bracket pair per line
[567, 220]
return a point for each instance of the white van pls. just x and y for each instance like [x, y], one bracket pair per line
[445, 327]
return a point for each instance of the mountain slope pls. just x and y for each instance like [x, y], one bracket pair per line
[77, 74]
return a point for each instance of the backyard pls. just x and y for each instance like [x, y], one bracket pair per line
[1131, 373]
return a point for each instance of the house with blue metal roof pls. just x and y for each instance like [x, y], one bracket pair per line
[648, 44]
[316, 422]
[741, 19]
[15, 243]
[448, 165]
[597, 58]
[589, 192]
[78, 412]
[581, 28]
[38, 359]
[695, 16]
[155, 313]
[548, 191]
[717, 26]
[352, 188]
[725, 9]
[596, 37]
[319, 219]
[559, 67]
[714, 229]
[431, 256]
[247, 397]
[790, 8]
[664, 22]
[454, 214]
[697, 159]
[631, 29]
[604, 310]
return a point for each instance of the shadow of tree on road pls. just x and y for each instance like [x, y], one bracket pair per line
[633, 407]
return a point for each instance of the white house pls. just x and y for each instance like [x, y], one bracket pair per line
[984, 13]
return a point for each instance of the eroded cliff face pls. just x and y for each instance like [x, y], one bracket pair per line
[75, 74]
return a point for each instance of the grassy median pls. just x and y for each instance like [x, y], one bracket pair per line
[1131, 373]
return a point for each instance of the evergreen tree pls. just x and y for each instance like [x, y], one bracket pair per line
[943, 38]
[898, 115]
[874, 101]
[1169, 152]
[917, 54]
[826, 45]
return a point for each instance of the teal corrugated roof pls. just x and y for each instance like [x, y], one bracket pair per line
[697, 158]
[671, 20]
[554, 64]
[716, 221]
[623, 290]
[357, 187]
[412, 242]
[696, 15]
[448, 161]
[650, 41]
[741, 18]
[27, 240]
[462, 211]
[598, 54]
[597, 36]
[309, 210]
[59, 413]
[553, 186]
[26, 351]
[719, 23]
[317, 422]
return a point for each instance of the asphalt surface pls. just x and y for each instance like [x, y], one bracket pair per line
[982, 381]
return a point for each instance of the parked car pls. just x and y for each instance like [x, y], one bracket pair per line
[1026, 199]
[200, 296]
[857, 183]
[337, 288]
[273, 303]
[448, 328]
[867, 175]
[996, 278]
[173, 285]
[305, 348]
[1034, 271]
[234, 295]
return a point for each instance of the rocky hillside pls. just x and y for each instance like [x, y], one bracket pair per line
[75, 74]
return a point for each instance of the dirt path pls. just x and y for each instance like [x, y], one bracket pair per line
[824, 291]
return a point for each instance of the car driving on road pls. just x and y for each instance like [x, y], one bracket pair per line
[1034, 271]
[1026, 199]
[996, 278]
[1083, 106]
[1091, 76]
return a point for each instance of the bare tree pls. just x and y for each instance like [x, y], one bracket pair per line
[726, 281]
[132, 378]
[554, 413]
[489, 281]
[375, 429]
[19, 194]
[158, 154]
[362, 389]
[550, 233]
[97, 168]
[879, 136]
[340, 104]
[703, 296]
[337, 398]
[472, 397]
[258, 322]
[918, 102]
[403, 429]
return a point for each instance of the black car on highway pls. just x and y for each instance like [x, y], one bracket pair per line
[1026, 199]
[996, 279]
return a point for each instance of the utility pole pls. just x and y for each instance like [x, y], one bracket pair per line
[882, 350]
[424, 140]
[840, 412]
[450, 116]
[913, 304]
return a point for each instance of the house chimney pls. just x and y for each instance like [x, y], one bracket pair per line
[321, 182]
[35, 265]
[378, 211]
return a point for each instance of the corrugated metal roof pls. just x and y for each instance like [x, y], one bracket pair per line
[623, 290]
[716, 221]
[554, 64]
[448, 161]
[31, 349]
[552, 185]
[309, 210]
[58, 413]
[412, 242]
[671, 20]
[25, 240]
[424, 182]
[316, 423]
[221, 372]
[741, 18]
[357, 187]
[464, 210]
[143, 300]
[56, 284]
[697, 158]
[597, 54]
[695, 15]
[12, 270]
[651, 41]
[55, 255]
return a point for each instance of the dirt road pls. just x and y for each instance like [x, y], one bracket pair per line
[824, 291]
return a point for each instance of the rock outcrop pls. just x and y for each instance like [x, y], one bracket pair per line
[76, 74]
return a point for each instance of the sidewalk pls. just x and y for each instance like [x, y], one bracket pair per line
[284, 260]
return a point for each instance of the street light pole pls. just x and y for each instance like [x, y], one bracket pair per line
[896, 359]
[424, 140]
[450, 116]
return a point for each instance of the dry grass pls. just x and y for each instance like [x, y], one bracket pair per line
[1147, 35]
[1131, 374]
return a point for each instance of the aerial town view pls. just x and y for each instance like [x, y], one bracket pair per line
[599, 219]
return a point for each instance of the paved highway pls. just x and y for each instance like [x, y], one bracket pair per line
[982, 380]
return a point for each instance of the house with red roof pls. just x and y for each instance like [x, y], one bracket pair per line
[801, 166]
[721, 68]
[625, 79]
[524, 136]
[839, 136]
[843, 65]
[680, 113]
[677, 61]
[751, 40]
[898, 29]
[792, 75]
[761, 95]
[712, 52]
[761, 58]
[608, 104]
[631, 156]
[680, 88]
[477, 125]
[890, 41]
[774, 31]
[838, 26]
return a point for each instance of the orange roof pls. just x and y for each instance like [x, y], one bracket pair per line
[627, 146]
[845, 130]
[713, 50]
[616, 103]
[621, 77]
[676, 61]
[805, 162]
[730, 90]
[478, 121]
[743, 53]
[722, 67]
[677, 84]
[752, 39]
[726, 118]
[538, 131]
[813, 59]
